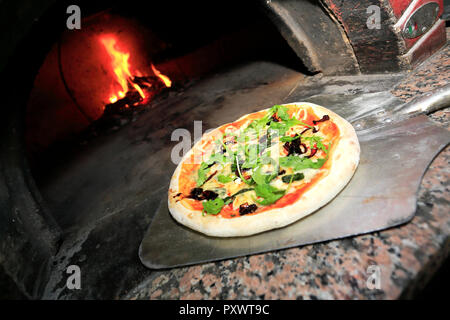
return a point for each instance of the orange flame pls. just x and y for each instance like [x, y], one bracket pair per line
[121, 67]
[164, 78]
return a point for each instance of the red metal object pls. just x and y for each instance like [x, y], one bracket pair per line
[408, 11]
[423, 46]
[399, 6]
[428, 44]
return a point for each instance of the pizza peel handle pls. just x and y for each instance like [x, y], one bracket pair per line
[392, 110]
[381, 194]
[427, 103]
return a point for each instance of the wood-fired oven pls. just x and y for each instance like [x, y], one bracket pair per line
[88, 113]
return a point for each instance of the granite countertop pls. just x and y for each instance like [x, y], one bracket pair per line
[407, 256]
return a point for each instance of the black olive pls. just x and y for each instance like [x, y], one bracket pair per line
[209, 195]
[196, 193]
[210, 165]
[305, 131]
[199, 194]
[246, 208]
[324, 118]
[295, 146]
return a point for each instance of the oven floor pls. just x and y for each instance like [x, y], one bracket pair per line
[104, 197]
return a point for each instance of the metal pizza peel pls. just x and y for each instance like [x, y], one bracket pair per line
[398, 143]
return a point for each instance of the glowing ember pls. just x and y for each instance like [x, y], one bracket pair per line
[164, 78]
[139, 81]
[121, 68]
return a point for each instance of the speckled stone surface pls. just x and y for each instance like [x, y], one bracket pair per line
[433, 73]
[406, 256]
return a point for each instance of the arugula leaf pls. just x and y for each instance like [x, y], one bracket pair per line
[292, 177]
[259, 124]
[282, 112]
[316, 140]
[293, 122]
[303, 124]
[288, 138]
[206, 165]
[266, 190]
[263, 189]
[298, 163]
[269, 193]
[258, 176]
[224, 179]
[263, 178]
[284, 126]
[213, 206]
[281, 127]
[251, 156]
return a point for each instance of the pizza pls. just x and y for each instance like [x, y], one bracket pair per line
[263, 171]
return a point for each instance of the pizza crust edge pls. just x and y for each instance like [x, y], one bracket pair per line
[344, 161]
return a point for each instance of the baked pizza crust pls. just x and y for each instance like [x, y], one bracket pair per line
[344, 160]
